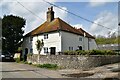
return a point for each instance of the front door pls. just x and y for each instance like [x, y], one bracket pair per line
[52, 50]
[25, 55]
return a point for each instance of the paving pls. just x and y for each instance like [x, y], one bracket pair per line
[106, 71]
[18, 70]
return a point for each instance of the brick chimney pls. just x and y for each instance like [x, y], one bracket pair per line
[50, 14]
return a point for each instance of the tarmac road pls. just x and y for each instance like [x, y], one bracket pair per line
[17, 70]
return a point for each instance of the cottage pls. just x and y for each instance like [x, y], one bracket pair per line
[58, 36]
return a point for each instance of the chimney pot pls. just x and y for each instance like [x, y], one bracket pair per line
[50, 14]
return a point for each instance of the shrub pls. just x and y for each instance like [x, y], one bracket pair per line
[17, 60]
[25, 62]
[30, 63]
[70, 53]
[90, 52]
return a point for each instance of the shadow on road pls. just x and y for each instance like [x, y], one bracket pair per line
[17, 70]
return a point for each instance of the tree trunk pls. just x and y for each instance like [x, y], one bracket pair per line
[39, 57]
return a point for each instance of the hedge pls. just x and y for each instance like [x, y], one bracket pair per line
[91, 52]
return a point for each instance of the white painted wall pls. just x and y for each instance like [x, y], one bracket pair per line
[92, 44]
[54, 40]
[70, 40]
[61, 40]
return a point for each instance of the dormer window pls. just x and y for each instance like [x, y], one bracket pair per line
[45, 36]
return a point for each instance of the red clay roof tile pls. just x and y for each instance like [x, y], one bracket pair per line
[57, 24]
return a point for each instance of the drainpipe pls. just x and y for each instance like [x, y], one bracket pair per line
[88, 43]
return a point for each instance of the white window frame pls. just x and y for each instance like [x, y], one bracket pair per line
[45, 36]
[71, 48]
[31, 38]
[45, 49]
[80, 39]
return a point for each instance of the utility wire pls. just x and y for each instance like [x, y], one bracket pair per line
[76, 15]
[30, 11]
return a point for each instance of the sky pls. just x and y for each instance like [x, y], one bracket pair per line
[103, 12]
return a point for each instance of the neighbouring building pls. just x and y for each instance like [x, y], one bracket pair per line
[114, 47]
[58, 36]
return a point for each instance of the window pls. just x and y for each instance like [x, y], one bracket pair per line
[31, 50]
[31, 38]
[70, 48]
[45, 36]
[45, 50]
[80, 38]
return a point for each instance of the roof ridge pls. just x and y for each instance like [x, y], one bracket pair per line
[59, 23]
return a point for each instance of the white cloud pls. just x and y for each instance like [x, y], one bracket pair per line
[95, 3]
[106, 19]
[78, 26]
[38, 8]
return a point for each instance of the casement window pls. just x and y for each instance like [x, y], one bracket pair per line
[31, 38]
[70, 48]
[45, 49]
[31, 51]
[80, 38]
[45, 36]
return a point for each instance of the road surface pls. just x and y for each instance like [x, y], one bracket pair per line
[17, 70]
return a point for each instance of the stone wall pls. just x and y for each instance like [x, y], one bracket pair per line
[74, 61]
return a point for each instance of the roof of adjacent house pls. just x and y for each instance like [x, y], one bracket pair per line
[55, 25]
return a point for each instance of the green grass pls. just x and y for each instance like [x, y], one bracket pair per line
[47, 66]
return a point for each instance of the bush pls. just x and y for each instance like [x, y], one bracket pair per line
[30, 63]
[90, 52]
[17, 60]
[70, 53]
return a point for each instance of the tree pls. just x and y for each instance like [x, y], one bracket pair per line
[12, 32]
[39, 46]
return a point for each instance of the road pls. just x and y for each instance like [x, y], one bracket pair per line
[17, 70]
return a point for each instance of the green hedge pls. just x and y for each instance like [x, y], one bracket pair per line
[91, 52]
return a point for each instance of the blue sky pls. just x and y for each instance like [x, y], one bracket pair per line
[85, 10]
[104, 13]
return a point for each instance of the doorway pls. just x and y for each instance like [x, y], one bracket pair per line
[80, 47]
[25, 55]
[52, 50]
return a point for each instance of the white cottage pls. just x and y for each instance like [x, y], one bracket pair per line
[58, 36]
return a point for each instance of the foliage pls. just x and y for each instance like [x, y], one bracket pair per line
[108, 40]
[17, 60]
[91, 52]
[29, 54]
[39, 45]
[12, 32]
[48, 66]
[30, 63]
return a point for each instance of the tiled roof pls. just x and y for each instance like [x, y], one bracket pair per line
[85, 33]
[57, 24]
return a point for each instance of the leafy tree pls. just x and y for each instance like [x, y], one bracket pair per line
[12, 32]
[111, 39]
[39, 45]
